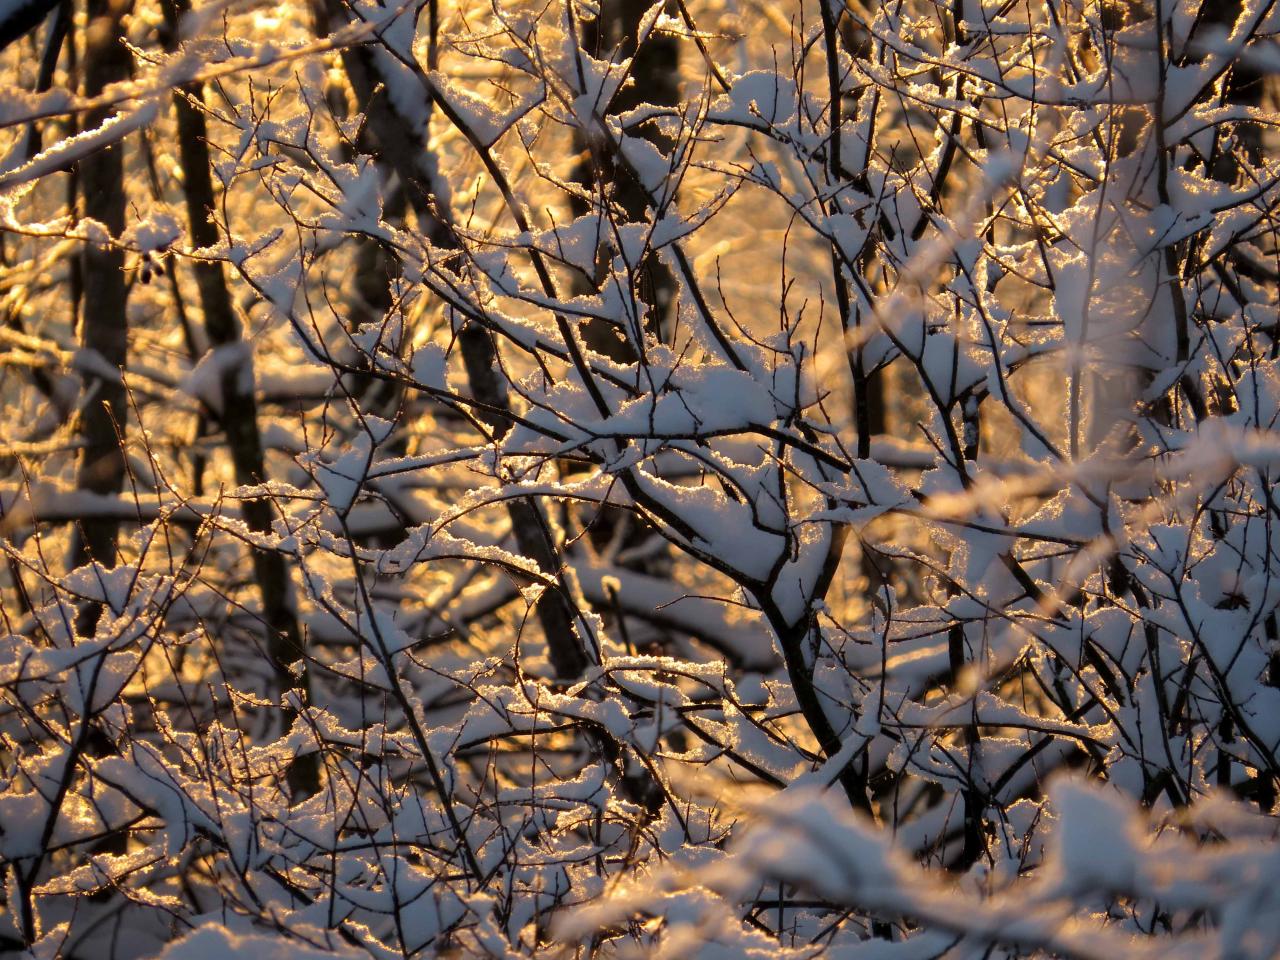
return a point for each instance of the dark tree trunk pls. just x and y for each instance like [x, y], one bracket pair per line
[104, 325]
[655, 79]
[406, 153]
[239, 413]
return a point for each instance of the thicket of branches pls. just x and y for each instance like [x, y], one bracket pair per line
[713, 479]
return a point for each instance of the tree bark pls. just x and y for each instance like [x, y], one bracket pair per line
[406, 152]
[104, 324]
[655, 79]
[239, 413]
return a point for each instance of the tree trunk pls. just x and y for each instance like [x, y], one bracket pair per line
[239, 413]
[104, 325]
[655, 79]
[405, 150]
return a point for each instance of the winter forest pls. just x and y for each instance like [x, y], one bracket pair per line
[699, 480]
